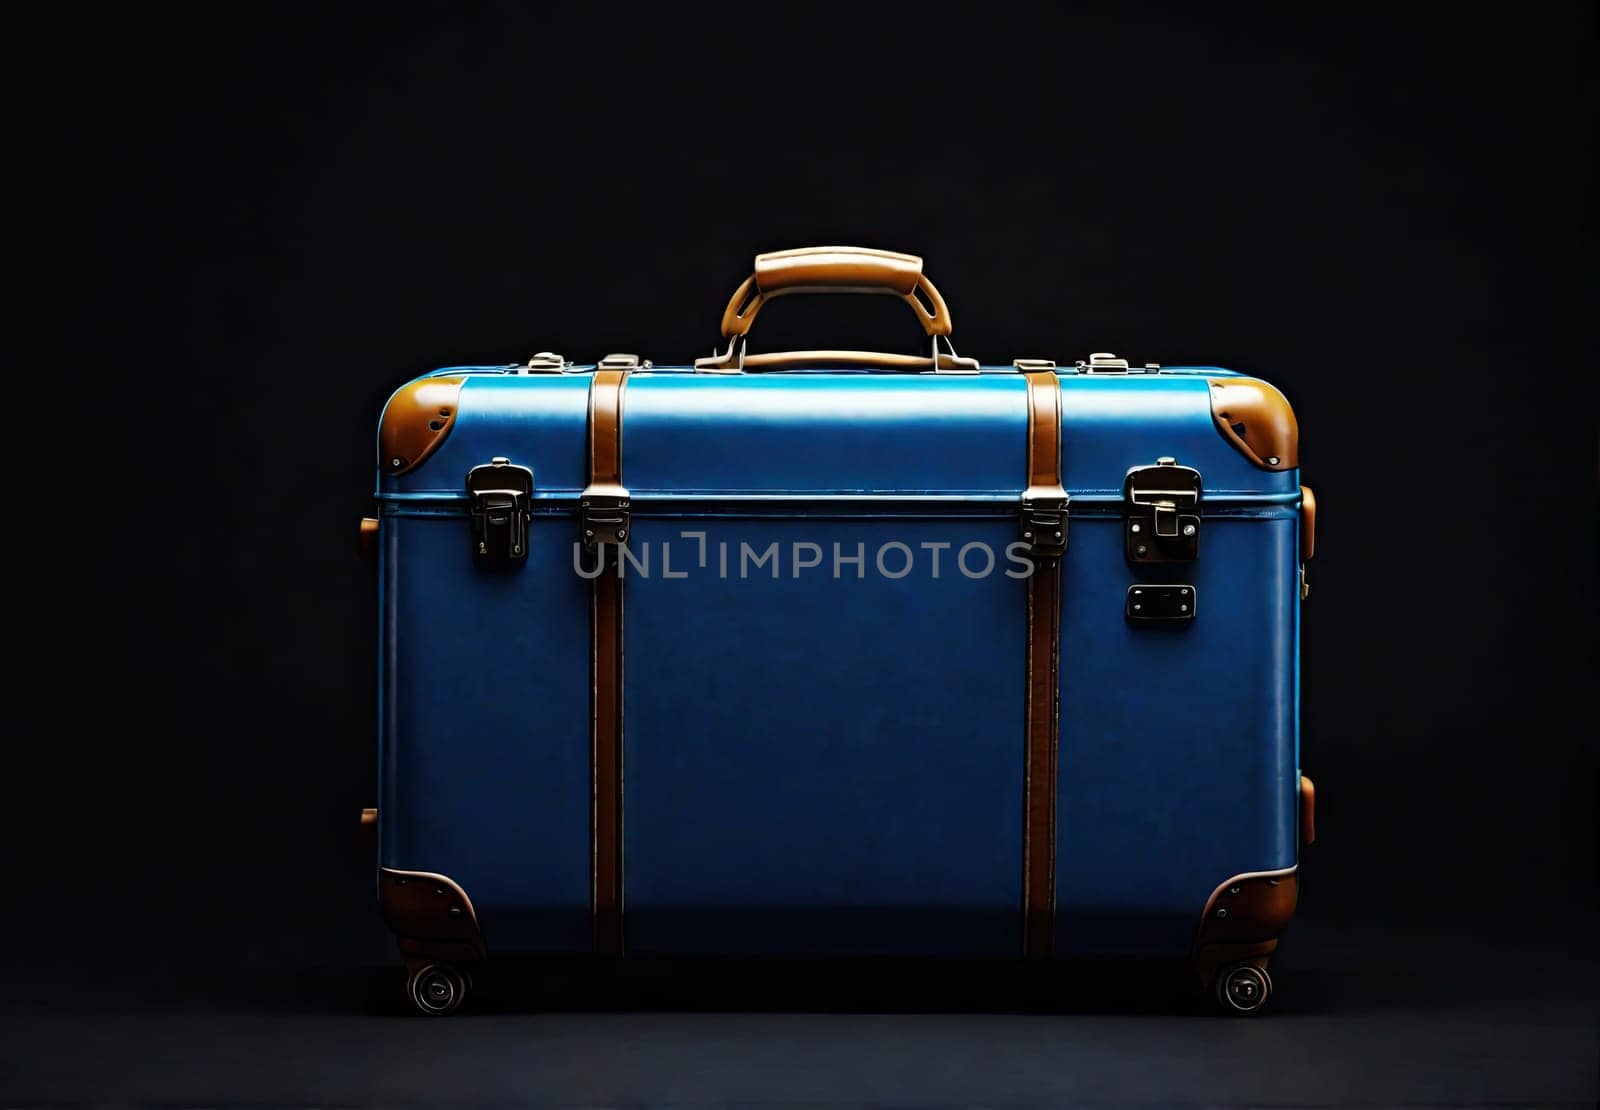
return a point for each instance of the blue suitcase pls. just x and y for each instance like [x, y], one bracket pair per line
[839, 652]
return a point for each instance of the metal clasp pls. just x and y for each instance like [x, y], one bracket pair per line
[623, 362]
[1044, 523]
[501, 494]
[1163, 524]
[603, 515]
[545, 362]
[1104, 362]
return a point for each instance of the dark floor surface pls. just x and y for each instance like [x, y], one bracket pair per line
[1430, 1019]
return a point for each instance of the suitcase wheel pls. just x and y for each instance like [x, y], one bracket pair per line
[437, 989]
[1243, 988]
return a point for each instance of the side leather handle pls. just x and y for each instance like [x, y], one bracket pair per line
[828, 270]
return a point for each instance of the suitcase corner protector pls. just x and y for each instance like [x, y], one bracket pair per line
[417, 419]
[426, 910]
[1257, 419]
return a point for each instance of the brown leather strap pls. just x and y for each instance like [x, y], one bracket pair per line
[605, 477]
[1043, 694]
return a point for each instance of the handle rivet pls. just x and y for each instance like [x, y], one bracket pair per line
[1222, 913]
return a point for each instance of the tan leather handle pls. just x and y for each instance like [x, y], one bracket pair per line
[831, 270]
[836, 270]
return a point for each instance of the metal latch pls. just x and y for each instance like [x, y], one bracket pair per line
[603, 515]
[1161, 603]
[623, 362]
[545, 362]
[1033, 365]
[1044, 523]
[1163, 524]
[1104, 362]
[501, 494]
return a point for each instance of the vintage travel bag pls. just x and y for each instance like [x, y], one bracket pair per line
[839, 652]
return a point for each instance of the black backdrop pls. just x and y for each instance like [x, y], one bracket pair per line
[234, 235]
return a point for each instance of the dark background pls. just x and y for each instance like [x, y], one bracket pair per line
[235, 233]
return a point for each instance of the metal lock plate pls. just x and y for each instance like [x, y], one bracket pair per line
[1163, 513]
[1161, 603]
[501, 496]
[1044, 524]
[603, 515]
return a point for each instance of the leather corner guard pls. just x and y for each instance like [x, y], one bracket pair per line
[1308, 811]
[1243, 919]
[605, 473]
[1256, 419]
[367, 540]
[415, 421]
[1308, 524]
[429, 914]
[1041, 712]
